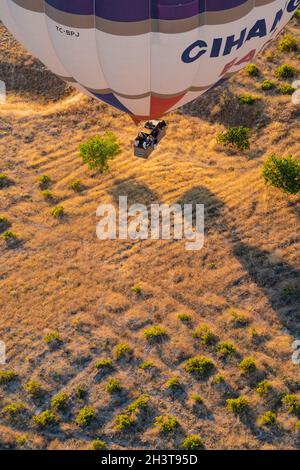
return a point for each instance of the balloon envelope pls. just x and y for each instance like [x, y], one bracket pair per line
[146, 57]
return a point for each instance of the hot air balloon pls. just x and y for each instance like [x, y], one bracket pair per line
[146, 57]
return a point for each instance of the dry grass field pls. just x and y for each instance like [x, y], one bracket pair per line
[66, 298]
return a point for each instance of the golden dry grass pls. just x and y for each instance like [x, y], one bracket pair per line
[61, 278]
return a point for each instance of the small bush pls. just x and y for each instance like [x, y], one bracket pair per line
[184, 317]
[97, 151]
[7, 376]
[155, 333]
[60, 401]
[282, 173]
[123, 422]
[136, 289]
[206, 336]
[267, 419]
[286, 89]
[268, 85]
[293, 404]
[77, 186]
[104, 364]
[200, 366]
[85, 416]
[98, 444]
[174, 384]
[123, 350]
[288, 43]
[239, 319]
[33, 388]
[146, 365]
[285, 71]
[167, 423]
[237, 137]
[113, 386]
[252, 70]
[193, 442]
[226, 349]
[80, 392]
[238, 406]
[14, 410]
[58, 212]
[9, 236]
[52, 338]
[247, 99]
[45, 419]
[48, 195]
[197, 398]
[44, 181]
[247, 366]
[4, 181]
[4, 223]
[218, 379]
[140, 403]
[264, 388]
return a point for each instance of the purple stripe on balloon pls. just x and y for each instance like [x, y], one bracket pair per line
[141, 10]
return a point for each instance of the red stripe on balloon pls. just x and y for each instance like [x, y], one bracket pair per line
[160, 106]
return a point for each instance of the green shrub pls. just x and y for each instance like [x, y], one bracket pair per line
[123, 350]
[237, 137]
[206, 336]
[268, 85]
[98, 444]
[184, 317]
[52, 338]
[286, 89]
[58, 212]
[174, 384]
[197, 398]
[7, 376]
[80, 392]
[44, 181]
[4, 181]
[104, 364]
[146, 365]
[282, 173]
[288, 43]
[252, 70]
[9, 236]
[33, 388]
[77, 186]
[293, 403]
[200, 366]
[218, 379]
[155, 333]
[226, 349]
[97, 151]
[267, 419]
[264, 388]
[14, 410]
[44, 419]
[85, 416]
[140, 403]
[167, 423]
[136, 289]
[239, 319]
[247, 99]
[4, 223]
[113, 386]
[48, 195]
[60, 401]
[285, 71]
[297, 427]
[193, 442]
[238, 406]
[247, 365]
[123, 422]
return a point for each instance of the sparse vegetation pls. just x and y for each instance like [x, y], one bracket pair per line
[7, 376]
[146, 365]
[268, 85]
[97, 151]
[14, 410]
[206, 336]
[193, 442]
[167, 423]
[248, 366]
[184, 317]
[200, 366]
[292, 403]
[113, 386]
[155, 333]
[77, 186]
[285, 71]
[48, 195]
[226, 349]
[264, 388]
[237, 137]
[4, 223]
[80, 392]
[58, 212]
[4, 181]
[98, 444]
[123, 422]
[104, 364]
[238, 405]
[247, 99]
[9, 236]
[45, 419]
[33, 388]
[288, 43]
[44, 181]
[174, 384]
[53, 338]
[267, 419]
[136, 289]
[286, 89]
[282, 173]
[252, 70]
[123, 350]
[60, 401]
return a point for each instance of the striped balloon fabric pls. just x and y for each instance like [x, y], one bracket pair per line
[146, 57]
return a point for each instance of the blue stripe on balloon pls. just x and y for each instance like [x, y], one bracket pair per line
[111, 99]
[140, 10]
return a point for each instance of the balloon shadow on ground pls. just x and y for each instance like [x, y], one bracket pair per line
[136, 192]
[279, 280]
